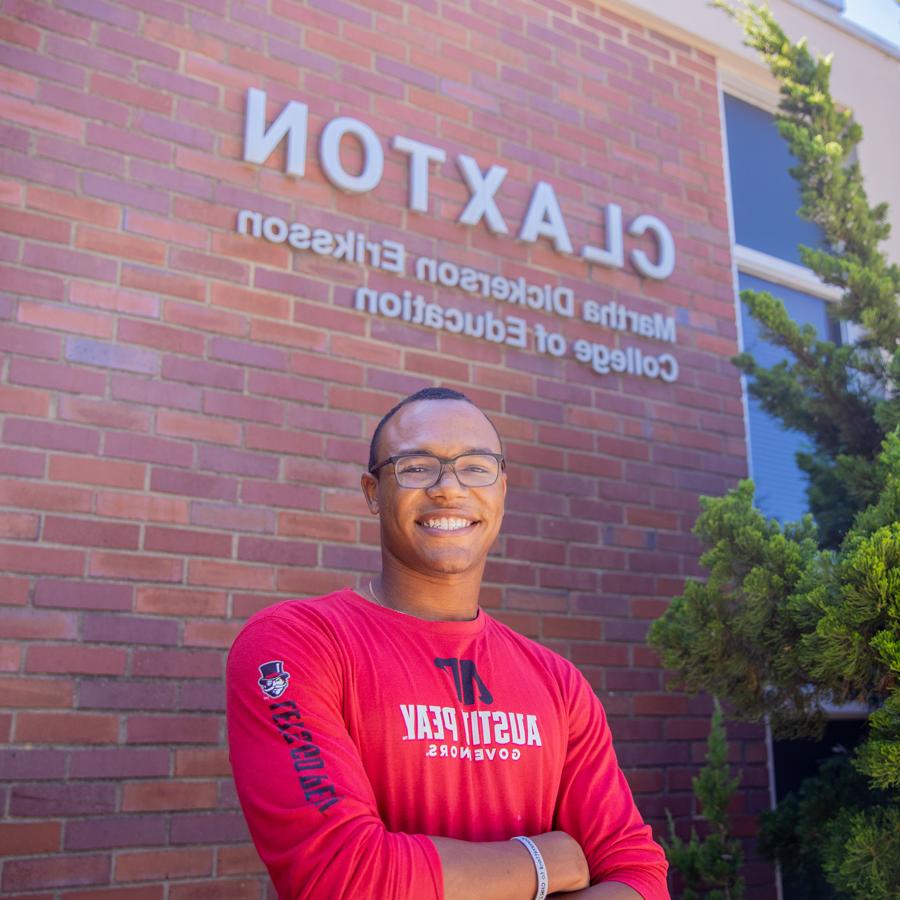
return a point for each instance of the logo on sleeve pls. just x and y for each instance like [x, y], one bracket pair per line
[273, 678]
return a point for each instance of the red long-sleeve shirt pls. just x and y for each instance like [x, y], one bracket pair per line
[356, 730]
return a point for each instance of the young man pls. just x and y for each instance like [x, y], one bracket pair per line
[396, 741]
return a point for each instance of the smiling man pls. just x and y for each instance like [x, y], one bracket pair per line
[412, 746]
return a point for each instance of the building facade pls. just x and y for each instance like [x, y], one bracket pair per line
[233, 235]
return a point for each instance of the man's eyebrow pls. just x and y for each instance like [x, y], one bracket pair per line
[417, 451]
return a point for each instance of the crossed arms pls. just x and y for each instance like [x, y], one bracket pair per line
[319, 829]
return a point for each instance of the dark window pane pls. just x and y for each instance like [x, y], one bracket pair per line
[765, 197]
[780, 485]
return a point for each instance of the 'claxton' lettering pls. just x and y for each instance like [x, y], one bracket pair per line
[543, 218]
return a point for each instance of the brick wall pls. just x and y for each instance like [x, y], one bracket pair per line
[185, 410]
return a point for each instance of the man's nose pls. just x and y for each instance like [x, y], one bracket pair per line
[447, 480]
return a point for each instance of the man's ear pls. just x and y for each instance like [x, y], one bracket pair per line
[369, 484]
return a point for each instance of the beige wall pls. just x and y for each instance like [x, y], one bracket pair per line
[865, 75]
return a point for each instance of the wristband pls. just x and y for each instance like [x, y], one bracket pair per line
[539, 866]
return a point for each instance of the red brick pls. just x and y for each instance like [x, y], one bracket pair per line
[208, 828]
[24, 402]
[41, 560]
[99, 296]
[202, 763]
[154, 392]
[59, 203]
[80, 594]
[122, 629]
[234, 516]
[141, 507]
[14, 591]
[103, 472]
[163, 282]
[27, 341]
[134, 567]
[177, 664]
[30, 838]
[162, 337]
[660, 705]
[277, 552]
[202, 318]
[19, 526]
[55, 871]
[166, 864]
[118, 762]
[71, 660]
[201, 428]
[115, 831]
[183, 729]
[125, 694]
[223, 889]
[51, 435]
[172, 481]
[187, 542]
[238, 407]
[104, 413]
[198, 372]
[165, 796]
[33, 624]
[210, 634]
[90, 533]
[165, 229]
[22, 463]
[230, 575]
[42, 118]
[180, 602]
[239, 861]
[148, 892]
[33, 693]
[66, 728]
[71, 320]
[328, 528]
[130, 94]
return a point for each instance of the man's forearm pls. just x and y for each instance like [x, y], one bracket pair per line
[609, 890]
[504, 870]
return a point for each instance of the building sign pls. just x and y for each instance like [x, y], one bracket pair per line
[543, 219]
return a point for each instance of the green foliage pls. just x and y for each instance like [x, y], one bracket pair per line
[781, 627]
[843, 398]
[710, 866]
[809, 826]
[869, 862]
[793, 617]
[737, 634]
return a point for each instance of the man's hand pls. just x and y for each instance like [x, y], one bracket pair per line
[504, 870]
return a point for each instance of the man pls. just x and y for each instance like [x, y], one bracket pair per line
[414, 735]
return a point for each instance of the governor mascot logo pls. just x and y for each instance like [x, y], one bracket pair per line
[273, 679]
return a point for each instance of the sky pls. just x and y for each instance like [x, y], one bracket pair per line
[882, 17]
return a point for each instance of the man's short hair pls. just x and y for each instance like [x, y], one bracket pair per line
[429, 393]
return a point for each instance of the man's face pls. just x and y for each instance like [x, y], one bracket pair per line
[420, 527]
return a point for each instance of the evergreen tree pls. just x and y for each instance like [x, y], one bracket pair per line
[710, 866]
[838, 396]
[793, 617]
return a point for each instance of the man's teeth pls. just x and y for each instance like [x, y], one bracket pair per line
[447, 524]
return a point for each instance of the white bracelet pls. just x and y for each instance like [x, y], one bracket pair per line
[539, 866]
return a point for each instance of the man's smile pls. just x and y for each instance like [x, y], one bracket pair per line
[446, 523]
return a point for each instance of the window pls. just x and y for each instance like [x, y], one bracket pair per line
[765, 199]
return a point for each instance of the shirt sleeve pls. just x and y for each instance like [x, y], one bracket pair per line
[301, 783]
[596, 807]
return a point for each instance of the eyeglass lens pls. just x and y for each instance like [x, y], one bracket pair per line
[472, 470]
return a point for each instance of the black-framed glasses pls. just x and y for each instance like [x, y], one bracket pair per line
[424, 470]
